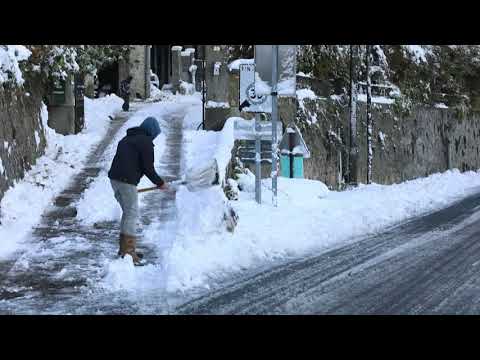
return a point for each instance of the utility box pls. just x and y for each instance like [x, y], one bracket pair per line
[293, 150]
[65, 106]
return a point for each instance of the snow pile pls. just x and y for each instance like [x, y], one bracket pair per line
[186, 88]
[309, 218]
[441, 106]
[306, 94]
[10, 57]
[63, 158]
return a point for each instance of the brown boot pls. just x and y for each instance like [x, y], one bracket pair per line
[121, 241]
[130, 244]
[123, 250]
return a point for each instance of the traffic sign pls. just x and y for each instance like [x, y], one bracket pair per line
[249, 100]
[245, 130]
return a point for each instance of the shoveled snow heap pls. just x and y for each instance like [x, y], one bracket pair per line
[24, 203]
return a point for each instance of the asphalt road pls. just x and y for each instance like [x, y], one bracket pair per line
[429, 265]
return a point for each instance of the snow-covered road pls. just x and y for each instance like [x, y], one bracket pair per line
[429, 265]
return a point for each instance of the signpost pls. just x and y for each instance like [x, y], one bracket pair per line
[273, 74]
[258, 146]
[250, 101]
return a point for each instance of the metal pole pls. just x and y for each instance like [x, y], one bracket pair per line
[353, 154]
[203, 93]
[274, 124]
[258, 159]
[369, 118]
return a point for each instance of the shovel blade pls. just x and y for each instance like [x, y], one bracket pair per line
[202, 177]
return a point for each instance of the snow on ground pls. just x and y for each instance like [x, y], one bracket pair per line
[52, 172]
[309, 218]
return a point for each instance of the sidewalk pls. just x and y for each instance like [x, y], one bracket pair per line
[67, 258]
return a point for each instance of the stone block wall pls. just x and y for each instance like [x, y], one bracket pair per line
[22, 138]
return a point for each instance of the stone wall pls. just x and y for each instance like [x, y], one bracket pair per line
[138, 67]
[406, 146]
[22, 138]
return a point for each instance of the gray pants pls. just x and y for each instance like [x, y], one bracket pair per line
[127, 197]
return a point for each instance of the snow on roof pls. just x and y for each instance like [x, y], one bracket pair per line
[300, 147]
[177, 48]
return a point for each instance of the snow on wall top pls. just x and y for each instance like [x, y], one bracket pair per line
[10, 57]
[235, 65]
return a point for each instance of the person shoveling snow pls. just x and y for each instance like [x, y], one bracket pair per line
[134, 159]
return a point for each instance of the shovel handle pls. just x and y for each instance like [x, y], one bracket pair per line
[173, 183]
[148, 189]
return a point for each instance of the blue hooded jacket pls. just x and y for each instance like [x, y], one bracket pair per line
[151, 127]
[135, 155]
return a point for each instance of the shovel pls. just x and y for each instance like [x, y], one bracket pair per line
[197, 178]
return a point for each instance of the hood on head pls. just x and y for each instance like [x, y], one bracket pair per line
[151, 127]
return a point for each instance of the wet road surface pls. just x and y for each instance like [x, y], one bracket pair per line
[429, 265]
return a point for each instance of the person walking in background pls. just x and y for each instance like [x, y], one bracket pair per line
[125, 92]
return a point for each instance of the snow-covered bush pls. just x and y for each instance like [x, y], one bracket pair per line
[425, 74]
[10, 58]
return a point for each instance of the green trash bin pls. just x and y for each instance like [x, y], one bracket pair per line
[285, 166]
[298, 166]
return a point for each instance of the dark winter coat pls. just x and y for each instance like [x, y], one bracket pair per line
[135, 157]
[125, 88]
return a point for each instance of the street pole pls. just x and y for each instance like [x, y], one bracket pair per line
[369, 117]
[258, 159]
[353, 154]
[274, 123]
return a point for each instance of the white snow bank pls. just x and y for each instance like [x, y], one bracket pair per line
[23, 204]
[441, 106]
[10, 57]
[309, 218]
